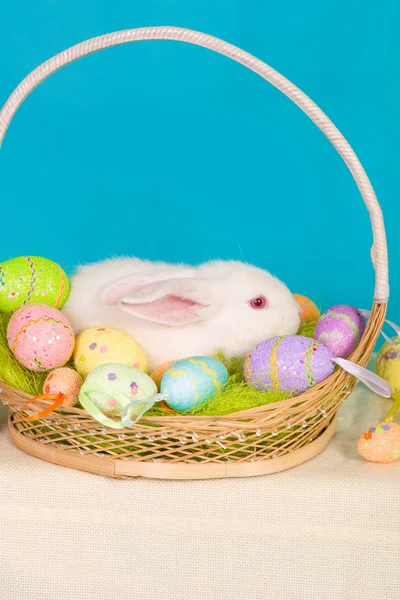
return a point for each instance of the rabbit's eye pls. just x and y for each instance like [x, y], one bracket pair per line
[259, 302]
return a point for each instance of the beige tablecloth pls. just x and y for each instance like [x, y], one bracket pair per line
[327, 530]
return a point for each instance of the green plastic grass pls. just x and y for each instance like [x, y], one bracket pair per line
[236, 396]
[11, 372]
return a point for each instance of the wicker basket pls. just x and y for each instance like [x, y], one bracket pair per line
[262, 440]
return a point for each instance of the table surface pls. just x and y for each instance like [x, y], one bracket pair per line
[328, 529]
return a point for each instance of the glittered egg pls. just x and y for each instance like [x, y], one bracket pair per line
[309, 310]
[101, 345]
[31, 279]
[158, 373]
[193, 381]
[380, 443]
[340, 328]
[111, 386]
[64, 381]
[40, 337]
[291, 364]
[387, 365]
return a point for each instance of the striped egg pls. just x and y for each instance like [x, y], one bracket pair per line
[30, 279]
[291, 364]
[340, 328]
[191, 382]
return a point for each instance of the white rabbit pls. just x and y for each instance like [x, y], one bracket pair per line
[177, 311]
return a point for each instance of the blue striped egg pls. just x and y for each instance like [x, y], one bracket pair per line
[193, 381]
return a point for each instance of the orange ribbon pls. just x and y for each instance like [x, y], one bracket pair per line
[58, 400]
[165, 407]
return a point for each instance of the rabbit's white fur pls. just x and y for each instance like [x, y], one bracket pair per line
[135, 296]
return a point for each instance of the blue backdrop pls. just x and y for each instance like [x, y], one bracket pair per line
[169, 151]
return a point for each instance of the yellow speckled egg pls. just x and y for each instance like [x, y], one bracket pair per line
[64, 381]
[309, 310]
[158, 373]
[101, 345]
[388, 365]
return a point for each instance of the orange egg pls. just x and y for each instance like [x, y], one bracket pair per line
[65, 381]
[380, 443]
[158, 373]
[309, 310]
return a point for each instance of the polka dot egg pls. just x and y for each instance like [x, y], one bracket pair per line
[31, 279]
[381, 443]
[340, 329]
[290, 364]
[387, 365]
[64, 381]
[193, 381]
[102, 345]
[40, 337]
[112, 386]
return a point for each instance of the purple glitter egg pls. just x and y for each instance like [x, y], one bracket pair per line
[340, 328]
[290, 363]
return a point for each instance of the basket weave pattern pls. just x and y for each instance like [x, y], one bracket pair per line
[259, 435]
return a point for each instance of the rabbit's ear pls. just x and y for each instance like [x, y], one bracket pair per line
[168, 302]
[131, 284]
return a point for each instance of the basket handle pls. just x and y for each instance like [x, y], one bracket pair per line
[379, 247]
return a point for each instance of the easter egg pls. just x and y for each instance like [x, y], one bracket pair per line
[101, 345]
[158, 373]
[193, 381]
[290, 363]
[64, 381]
[31, 279]
[340, 328]
[111, 386]
[40, 337]
[380, 443]
[387, 365]
[309, 310]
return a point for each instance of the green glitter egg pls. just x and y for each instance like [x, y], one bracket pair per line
[112, 386]
[28, 279]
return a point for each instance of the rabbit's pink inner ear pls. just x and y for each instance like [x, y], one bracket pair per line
[168, 310]
[114, 292]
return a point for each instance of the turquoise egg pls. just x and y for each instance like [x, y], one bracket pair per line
[191, 382]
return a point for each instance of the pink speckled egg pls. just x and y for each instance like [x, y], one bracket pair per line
[40, 337]
[340, 329]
